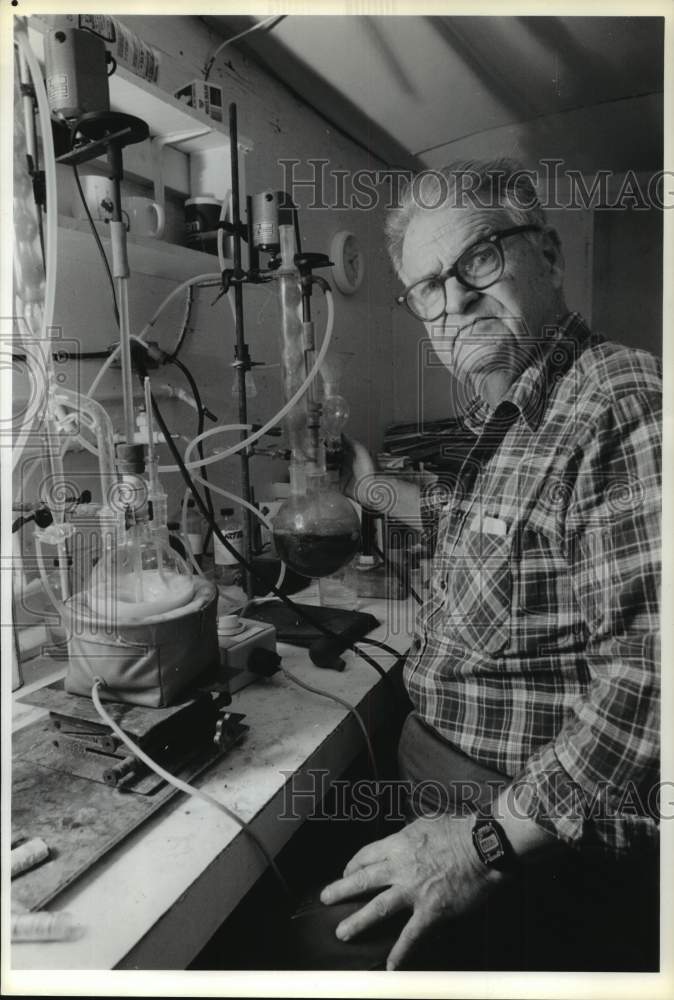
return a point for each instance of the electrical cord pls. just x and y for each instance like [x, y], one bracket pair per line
[70, 356]
[382, 645]
[389, 562]
[345, 704]
[276, 19]
[201, 411]
[98, 242]
[398, 696]
[37, 177]
[184, 786]
[197, 280]
[189, 302]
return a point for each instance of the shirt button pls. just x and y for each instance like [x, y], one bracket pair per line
[443, 585]
[417, 643]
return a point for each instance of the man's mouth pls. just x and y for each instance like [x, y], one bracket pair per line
[470, 326]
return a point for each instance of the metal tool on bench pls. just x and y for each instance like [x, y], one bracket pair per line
[182, 738]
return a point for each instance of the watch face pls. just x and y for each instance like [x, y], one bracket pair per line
[489, 844]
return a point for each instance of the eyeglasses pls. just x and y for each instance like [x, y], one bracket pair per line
[478, 267]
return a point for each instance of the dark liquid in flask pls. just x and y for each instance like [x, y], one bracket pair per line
[316, 555]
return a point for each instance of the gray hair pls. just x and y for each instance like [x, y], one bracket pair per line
[500, 183]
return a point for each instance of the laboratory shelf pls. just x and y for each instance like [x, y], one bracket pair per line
[146, 255]
[165, 114]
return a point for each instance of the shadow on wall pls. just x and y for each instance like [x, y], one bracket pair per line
[627, 299]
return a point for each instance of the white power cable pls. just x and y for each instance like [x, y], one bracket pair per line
[345, 704]
[242, 34]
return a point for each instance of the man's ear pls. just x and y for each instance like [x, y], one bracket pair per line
[553, 255]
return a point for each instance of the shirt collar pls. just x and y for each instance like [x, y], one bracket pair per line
[529, 393]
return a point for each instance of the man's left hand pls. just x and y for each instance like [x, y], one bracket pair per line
[430, 866]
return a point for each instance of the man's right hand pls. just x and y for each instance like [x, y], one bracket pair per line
[379, 492]
[358, 467]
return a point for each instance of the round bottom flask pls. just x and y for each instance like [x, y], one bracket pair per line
[317, 532]
[139, 579]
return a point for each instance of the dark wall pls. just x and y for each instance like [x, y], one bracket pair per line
[627, 293]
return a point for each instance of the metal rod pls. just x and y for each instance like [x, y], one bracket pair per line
[125, 355]
[120, 271]
[241, 346]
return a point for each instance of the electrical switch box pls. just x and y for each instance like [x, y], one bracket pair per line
[236, 650]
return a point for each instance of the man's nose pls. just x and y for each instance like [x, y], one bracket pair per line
[458, 297]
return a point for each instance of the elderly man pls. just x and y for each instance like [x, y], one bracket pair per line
[535, 659]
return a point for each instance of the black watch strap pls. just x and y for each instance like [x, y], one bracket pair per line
[492, 845]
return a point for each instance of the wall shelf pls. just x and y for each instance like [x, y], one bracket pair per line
[166, 114]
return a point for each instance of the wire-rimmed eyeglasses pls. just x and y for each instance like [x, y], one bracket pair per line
[479, 266]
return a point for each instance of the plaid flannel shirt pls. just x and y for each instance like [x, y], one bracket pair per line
[537, 646]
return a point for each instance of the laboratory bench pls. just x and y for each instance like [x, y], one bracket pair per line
[158, 898]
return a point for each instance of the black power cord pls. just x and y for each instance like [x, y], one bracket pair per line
[202, 412]
[70, 356]
[390, 563]
[381, 645]
[189, 302]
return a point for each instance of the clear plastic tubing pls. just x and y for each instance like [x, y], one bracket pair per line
[148, 326]
[198, 463]
[191, 464]
[95, 416]
[51, 217]
[56, 537]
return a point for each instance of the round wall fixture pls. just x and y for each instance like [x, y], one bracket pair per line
[348, 262]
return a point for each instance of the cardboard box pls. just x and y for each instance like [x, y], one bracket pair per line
[204, 96]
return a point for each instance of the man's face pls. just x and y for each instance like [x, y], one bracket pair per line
[485, 337]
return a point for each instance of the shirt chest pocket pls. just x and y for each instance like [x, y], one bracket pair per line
[542, 585]
[478, 581]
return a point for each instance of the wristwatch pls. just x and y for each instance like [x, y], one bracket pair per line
[493, 846]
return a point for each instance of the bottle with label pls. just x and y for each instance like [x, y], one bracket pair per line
[195, 528]
[228, 570]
